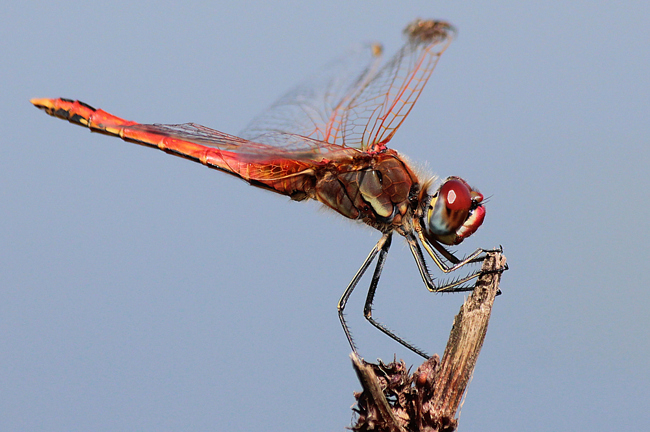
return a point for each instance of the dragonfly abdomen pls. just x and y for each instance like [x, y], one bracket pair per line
[294, 178]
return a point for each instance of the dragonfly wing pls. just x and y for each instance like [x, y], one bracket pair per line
[278, 145]
[353, 102]
[376, 112]
[315, 107]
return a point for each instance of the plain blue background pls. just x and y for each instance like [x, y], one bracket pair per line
[142, 292]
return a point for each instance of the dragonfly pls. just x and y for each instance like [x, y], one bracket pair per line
[326, 140]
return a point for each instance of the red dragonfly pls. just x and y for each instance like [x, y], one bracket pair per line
[326, 140]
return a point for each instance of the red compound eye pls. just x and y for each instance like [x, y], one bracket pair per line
[456, 194]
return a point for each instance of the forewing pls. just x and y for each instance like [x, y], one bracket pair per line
[353, 103]
[376, 112]
[315, 107]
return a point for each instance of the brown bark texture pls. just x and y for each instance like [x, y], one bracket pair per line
[428, 400]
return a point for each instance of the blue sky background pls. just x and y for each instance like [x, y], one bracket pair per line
[142, 292]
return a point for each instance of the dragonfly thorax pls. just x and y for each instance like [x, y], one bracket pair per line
[376, 189]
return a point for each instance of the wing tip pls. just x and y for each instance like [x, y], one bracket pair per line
[428, 31]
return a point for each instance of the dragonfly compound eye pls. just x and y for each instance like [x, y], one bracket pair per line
[457, 195]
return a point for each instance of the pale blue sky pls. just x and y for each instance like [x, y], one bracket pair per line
[142, 292]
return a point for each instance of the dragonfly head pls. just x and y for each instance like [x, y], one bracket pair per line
[454, 212]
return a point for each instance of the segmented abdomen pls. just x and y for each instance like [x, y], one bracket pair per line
[285, 176]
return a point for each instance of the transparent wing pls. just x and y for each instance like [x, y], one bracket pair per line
[373, 116]
[353, 102]
[316, 105]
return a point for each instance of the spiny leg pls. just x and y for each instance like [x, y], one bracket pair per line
[382, 247]
[367, 310]
[453, 286]
[353, 283]
[477, 256]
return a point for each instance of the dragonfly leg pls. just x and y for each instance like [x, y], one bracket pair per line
[456, 285]
[353, 283]
[475, 257]
[381, 248]
[367, 310]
